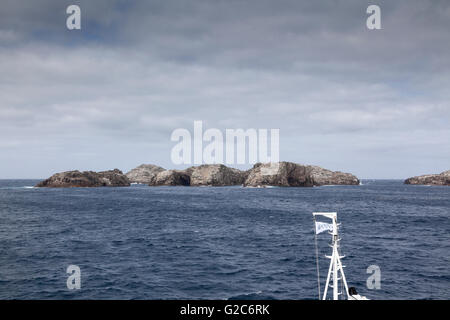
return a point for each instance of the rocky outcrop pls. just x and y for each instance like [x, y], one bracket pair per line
[145, 173]
[71, 179]
[171, 178]
[204, 175]
[288, 174]
[216, 175]
[442, 179]
[282, 174]
[322, 177]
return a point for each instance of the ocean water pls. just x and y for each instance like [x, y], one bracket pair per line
[220, 243]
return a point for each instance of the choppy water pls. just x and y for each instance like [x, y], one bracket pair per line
[219, 243]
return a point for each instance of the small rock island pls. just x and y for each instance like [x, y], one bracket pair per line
[291, 174]
[85, 179]
[441, 179]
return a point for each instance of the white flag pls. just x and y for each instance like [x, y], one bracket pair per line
[322, 226]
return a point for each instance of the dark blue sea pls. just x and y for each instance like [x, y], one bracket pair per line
[220, 242]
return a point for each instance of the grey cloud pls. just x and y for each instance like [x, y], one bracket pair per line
[343, 97]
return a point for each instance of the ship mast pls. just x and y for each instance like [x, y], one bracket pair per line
[335, 270]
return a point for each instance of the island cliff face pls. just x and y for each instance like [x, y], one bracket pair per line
[71, 179]
[442, 179]
[322, 177]
[285, 174]
[171, 178]
[145, 173]
[216, 175]
[204, 175]
[290, 174]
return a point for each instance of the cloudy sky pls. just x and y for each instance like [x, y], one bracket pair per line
[372, 102]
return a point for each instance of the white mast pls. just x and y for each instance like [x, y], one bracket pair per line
[336, 267]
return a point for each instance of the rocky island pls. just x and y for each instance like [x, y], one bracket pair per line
[85, 179]
[291, 174]
[281, 174]
[441, 179]
[285, 174]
